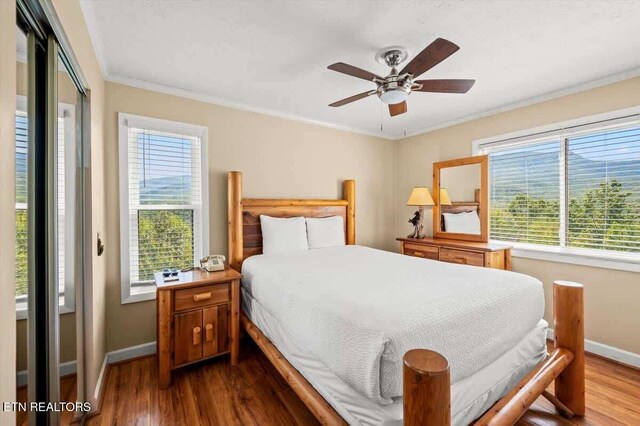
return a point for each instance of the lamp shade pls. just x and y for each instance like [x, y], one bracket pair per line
[420, 196]
[444, 197]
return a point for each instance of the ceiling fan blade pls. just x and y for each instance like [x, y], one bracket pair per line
[351, 99]
[444, 86]
[397, 109]
[431, 56]
[353, 71]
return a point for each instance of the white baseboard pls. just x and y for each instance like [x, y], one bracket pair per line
[606, 351]
[119, 356]
[96, 393]
[66, 368]
[131, 352]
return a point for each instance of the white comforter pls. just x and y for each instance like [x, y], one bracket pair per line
[358, 310]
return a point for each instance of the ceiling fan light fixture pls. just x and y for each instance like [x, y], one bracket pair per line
[394, 96]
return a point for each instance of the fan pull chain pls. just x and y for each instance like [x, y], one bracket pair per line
[381, 128]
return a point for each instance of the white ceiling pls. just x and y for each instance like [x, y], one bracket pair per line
[271, 56]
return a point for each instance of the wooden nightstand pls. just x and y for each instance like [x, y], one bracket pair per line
[488, 255]
[198, 317]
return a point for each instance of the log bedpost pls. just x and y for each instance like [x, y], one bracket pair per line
[234, 217]
[427, 389]
[349, 194]
[568, 317]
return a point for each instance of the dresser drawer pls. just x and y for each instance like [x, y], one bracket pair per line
[461, 256]
[201, 296]
[417, 250]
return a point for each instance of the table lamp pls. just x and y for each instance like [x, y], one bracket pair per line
[444, 197]
[420, 196]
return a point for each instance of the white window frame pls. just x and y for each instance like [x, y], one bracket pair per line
[67, 113]
[561, 131]
[201, 215]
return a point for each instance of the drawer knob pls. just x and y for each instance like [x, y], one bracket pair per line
[208, 332]
[418, 253]
[197, 336]
[202, 296]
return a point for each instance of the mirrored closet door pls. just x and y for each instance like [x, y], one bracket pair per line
[51, 245]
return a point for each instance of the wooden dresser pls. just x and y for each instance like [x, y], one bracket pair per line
[488, 255]
[198, 317]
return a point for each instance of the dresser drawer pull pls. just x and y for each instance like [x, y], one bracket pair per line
[201, 296]
[460, 259]
[208, 332]
[197, 336]
[418, 253]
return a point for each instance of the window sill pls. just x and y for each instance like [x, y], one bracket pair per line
[21, 314]
[607, 260]
[142, 294]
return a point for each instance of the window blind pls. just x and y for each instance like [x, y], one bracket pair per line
[581, 190]
[604, 190]
[21, 143]
[525, 193]
[61, 194]
[21, 158]
[165, 201]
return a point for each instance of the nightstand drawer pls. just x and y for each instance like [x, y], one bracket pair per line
[418, 250]
[201, 296]
[461, 256]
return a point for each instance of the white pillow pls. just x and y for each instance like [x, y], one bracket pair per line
[325, 231]
[462, 223]
[283, 235]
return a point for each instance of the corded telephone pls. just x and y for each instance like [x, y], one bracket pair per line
[214, 262]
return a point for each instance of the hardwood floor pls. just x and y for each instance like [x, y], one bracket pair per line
[68, 392]
[213, 393]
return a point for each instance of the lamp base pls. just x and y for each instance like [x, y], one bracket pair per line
[417, 224]
[416, 234]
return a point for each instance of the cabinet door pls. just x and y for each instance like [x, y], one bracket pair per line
[216, 330]
[188, 337]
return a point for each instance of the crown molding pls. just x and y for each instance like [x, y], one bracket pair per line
[592, 84]
[91, 21]
[188, 94]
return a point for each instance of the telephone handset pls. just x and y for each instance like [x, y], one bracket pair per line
[214, 262]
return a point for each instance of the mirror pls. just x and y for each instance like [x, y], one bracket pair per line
[460, 192]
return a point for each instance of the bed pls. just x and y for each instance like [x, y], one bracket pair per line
[380, 338]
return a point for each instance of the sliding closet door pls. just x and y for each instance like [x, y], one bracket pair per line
[52, 110]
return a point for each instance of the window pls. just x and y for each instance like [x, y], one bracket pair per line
[65, 185]
[574, 190]
[164, 200]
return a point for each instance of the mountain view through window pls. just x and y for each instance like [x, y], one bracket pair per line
[581, 192]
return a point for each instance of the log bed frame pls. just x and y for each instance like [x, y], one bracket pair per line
[427, 389]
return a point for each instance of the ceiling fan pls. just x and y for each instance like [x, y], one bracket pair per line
[395, 88]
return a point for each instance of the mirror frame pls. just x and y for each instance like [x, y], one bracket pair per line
[483, 206]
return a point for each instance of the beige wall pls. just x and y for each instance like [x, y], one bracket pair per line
[279, 158]
[461, 182]
[611, 296]
[74, 25]
[7, 206]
